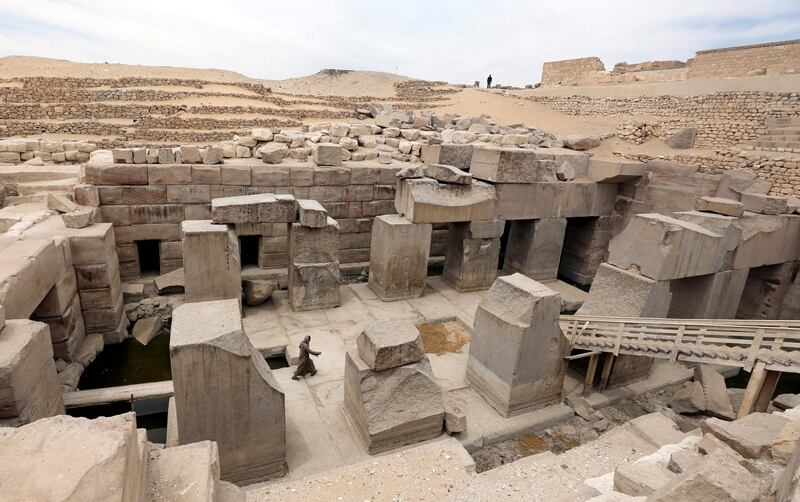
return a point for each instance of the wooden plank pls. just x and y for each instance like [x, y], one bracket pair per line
[109, 395]
[605, 374]
[767, 390]
[752, 391]
[590, 371]
[581, 355]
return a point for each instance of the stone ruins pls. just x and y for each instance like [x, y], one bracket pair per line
[471, 288]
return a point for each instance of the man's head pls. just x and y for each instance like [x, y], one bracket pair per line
[307, 339]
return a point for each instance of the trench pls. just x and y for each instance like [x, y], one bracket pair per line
[128, 363]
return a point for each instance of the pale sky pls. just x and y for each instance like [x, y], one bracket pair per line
[455, 40]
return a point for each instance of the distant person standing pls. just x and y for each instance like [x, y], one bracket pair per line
[489, 82]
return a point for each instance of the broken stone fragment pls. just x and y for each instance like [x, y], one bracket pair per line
[689, 399]
[417, 171]
[565, 172]
[79, 218]
[389, 344]
[170, 283]
[719, 205]
[765, 204]
[717, 400]
[447, 174]
[750, 436]
[212, 155]
[257, 291]
[273, 153]
[311, 213]
[146, 329]
[581, 142]
[60, 203]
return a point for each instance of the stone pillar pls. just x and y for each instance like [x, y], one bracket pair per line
[225, 392]
[314, 266]
[211, 265]
[714, 296]
[765, 291]
[517, 349]
[585, 248]
[617, 292]
[398, 264]
[390, 393]
[473, 251]
[534, 248]
[29, 387]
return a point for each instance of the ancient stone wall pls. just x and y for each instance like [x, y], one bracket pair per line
[721, 119]
[558, 72]
[352, 194]
[771, 59]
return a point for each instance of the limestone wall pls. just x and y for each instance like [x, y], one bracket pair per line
[771, 59]
[558, 72]
[353, 195]
[721, 119]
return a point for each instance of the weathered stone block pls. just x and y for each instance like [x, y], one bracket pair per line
[395, 407]
[764, 204]
[534, 247]
[727, 207]
[398, 266]
[258, 208]
[518, 201]
[210, 262]
[313, 286]
[517, 348]
[428, 201]
[29, 388]
[225, 392]
[714, 296]
[175, 174]
[470, 263]
[512, 165]
[310, 213]
[767, 240]
[327, 154]
[447, 174]
[459, 156]
[614, 171]
[388, 344]
[617, 292]
[666, 248]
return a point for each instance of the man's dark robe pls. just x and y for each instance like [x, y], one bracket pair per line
[306, 365]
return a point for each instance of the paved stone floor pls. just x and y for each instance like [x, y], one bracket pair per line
[319, 437]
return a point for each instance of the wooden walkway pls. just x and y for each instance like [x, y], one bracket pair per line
[765, 348]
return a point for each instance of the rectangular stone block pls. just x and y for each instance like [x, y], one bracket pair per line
[765, 290]
[714, 296]
[666, 248]
[622, 293]
[59, 297]
[534, 247]
[517, 348]
[314, 245]
[62, 325]
[235, 175]
[97, 276]
[115, 174]
[175, 174]
[28, 270]
[271, 176]
[425, 200]
[585, 248]
[310, 213]
[188, 194]
[470, 263]
[764, 204]
[206, 175]
[614, 171]
[157, 213]
[516, 201]
[210, 262]
[313, 286]
[512, 165]
[327, 154]
[150, 194]
[259, 208]
[29, 387]
[727, 207]
[767, 240]
[450, 154]
[399, 250]
[226, 392]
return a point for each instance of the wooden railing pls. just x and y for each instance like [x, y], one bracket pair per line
[730, 342]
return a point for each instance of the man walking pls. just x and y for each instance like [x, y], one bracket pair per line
[306, 365]
[489, 82]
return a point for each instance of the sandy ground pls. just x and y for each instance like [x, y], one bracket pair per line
[311, 92]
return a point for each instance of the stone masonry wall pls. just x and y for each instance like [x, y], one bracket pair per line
[722, 119]
[556, 72]
[353, 195]
[772, 58]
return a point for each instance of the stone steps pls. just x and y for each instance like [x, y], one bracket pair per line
[21, 173]
[44, 187]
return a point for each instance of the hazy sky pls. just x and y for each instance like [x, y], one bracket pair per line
[455, 40]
